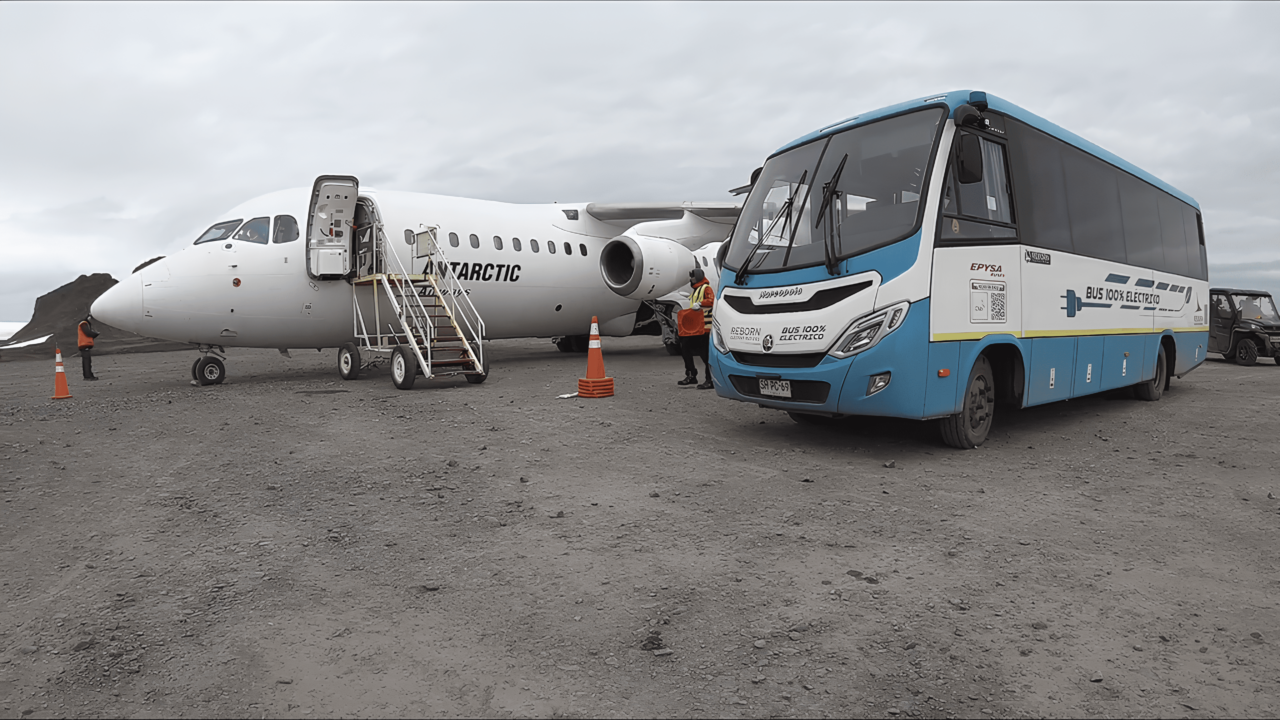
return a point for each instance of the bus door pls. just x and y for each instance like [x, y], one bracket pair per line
[331, 226]
[977, 270]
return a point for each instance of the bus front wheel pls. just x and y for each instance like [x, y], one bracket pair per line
[969, 428]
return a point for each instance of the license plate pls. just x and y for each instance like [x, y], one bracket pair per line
[776, 388]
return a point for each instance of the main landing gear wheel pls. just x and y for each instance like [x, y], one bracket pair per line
[195, 370]
[349, 361]
[1154, 388]
[969, 428]
[404, 368]
[1246, 352]
[477, 378]
[210, 371]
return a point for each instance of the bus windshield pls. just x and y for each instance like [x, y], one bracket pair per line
[875, 200]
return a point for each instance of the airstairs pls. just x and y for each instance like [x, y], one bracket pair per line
[424, 321]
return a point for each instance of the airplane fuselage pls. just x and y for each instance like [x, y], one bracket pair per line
[529, 270]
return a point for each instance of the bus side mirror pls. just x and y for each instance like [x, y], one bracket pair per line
[968, 116]
[969, 160]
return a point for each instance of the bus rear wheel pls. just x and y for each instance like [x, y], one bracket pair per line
[969, 428]
[1154, 388]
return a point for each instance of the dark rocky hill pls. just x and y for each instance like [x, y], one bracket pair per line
[58, 312]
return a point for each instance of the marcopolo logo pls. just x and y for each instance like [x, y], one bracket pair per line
[780, 293]
[767, 343]
[1038, 258]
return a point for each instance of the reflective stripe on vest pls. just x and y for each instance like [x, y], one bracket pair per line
[696, 297]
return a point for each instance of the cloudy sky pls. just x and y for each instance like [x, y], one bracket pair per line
[126, 128]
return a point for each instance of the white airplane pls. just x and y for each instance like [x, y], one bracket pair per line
[284, 271]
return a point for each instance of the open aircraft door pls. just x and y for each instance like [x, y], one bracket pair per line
[331, 226]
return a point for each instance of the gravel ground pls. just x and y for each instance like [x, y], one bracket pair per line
[291, 545]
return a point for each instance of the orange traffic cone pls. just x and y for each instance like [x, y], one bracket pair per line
[595, 384]
[60, 389]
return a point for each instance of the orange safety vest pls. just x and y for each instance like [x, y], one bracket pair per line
[84, 340]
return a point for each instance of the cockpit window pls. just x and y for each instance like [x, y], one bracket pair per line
[286, 229]
[220, 231]
[254, 231]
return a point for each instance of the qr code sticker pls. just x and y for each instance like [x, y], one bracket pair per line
[997, 307]
[987, 301]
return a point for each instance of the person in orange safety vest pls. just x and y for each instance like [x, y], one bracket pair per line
[694, 340]
[84, 340]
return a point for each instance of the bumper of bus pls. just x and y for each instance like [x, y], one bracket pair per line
[840, 386]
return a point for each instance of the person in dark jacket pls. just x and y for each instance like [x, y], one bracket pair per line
[693, 341]
[84, 340]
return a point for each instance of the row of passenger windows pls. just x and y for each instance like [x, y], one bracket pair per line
[254, 231]
[1069, 200]
[517, 245]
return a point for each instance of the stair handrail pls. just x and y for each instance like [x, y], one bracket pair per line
[455, 300]
[404, 285]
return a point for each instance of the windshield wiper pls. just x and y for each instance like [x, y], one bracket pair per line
[785, 210]
[829, 239]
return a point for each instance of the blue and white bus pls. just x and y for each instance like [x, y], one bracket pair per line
[930, 259]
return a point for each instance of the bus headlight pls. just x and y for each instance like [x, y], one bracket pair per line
[715, 337]
[866, 331]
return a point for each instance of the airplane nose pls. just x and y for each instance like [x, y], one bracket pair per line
[121, 306]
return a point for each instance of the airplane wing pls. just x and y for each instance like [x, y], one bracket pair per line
[691, 224]
[629, 213]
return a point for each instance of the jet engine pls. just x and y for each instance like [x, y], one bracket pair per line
[645, 268]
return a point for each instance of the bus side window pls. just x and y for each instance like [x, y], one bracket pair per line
[988, 198]
[975, 207]
[1041, 187]
[1093, 204]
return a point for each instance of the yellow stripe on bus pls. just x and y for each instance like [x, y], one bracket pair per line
[945, 337]
[1102, 331]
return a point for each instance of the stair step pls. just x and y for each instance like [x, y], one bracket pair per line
[425, 308]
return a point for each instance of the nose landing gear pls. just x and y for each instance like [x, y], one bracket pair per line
[209, 368]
